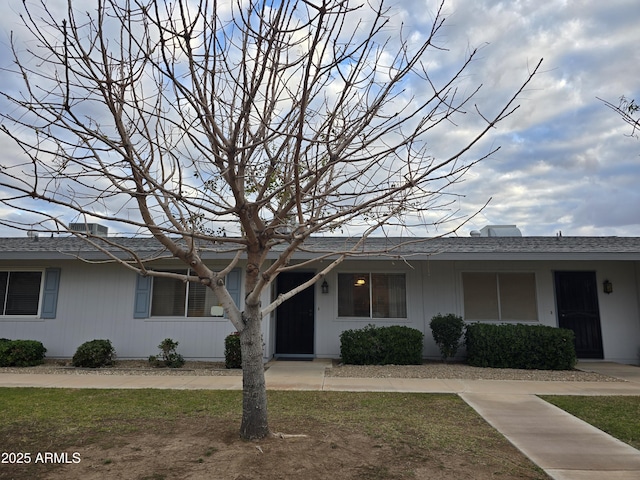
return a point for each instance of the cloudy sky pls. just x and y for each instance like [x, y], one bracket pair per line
[566, 162]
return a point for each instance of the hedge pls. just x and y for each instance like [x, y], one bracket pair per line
[447, 331]
[371, 345]
[530, 347]
[94, 354]
[21, 353]
[232, 351]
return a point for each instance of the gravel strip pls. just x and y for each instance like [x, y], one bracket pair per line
[127, 367]
[465, 372]
[426, 370]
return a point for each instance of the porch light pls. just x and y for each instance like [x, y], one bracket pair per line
[607, 287]
[360, 282]
[325, 287]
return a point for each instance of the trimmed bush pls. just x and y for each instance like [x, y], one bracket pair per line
[447, 331]
[530, 347]
[94, 354]
[371, 345]
[168, 356]
[21, 353]
[232, 351]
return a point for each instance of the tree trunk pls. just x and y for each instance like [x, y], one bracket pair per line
[254, 391]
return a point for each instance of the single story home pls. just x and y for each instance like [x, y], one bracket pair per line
[588, 284]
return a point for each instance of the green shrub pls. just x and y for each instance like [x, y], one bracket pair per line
[520, 346]
[168, 356]
[232, 352]
[21, 353]
[94, 354]
[447, 331]
[371, 345]
[4, 345]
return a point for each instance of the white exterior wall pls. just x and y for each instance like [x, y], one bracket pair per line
[619, 313]
[436, 287]
[96, 301]
[329, 326]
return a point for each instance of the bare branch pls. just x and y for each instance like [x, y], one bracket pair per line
[626, 109]
[237, 127]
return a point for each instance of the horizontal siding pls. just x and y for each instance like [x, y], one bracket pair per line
[97, 302]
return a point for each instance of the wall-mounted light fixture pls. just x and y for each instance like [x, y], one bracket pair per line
[360, 282]
[325, 287]
[607, 287]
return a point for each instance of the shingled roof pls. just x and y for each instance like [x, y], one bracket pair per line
[444, 248]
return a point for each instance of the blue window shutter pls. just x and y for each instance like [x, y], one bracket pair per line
[50, 293]
[233, 285]
[143, 297]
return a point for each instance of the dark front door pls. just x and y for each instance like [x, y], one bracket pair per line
[577, 305]
[295, 320]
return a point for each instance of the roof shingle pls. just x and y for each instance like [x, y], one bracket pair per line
[445, 248]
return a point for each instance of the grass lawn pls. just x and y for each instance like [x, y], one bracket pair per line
[166, 434]
[619, 416]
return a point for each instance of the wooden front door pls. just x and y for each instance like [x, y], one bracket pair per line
[295, 319]
[577, 305]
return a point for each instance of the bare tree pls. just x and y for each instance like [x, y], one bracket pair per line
[283, 119]
[626, 109]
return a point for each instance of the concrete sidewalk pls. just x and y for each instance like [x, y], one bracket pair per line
[293, 375]
[565, 447]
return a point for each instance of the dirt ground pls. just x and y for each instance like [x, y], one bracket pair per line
[214, 451]
[211, 449]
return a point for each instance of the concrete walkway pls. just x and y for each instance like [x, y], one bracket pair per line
[565, 447]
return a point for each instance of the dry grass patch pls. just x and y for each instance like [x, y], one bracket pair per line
[162, 434]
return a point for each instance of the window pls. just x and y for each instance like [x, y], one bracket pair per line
[372, 295]
[174, 298]
[499, 296]
[20, 292]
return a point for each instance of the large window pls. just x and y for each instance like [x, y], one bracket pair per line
[20, 292]
[372, 295]
[174, 298]
[499, 296]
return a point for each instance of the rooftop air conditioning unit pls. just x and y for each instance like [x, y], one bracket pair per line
[500, 231]
[89, 229]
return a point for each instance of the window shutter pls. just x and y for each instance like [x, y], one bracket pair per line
[233, 285]
[143, 297]
[50, 293]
